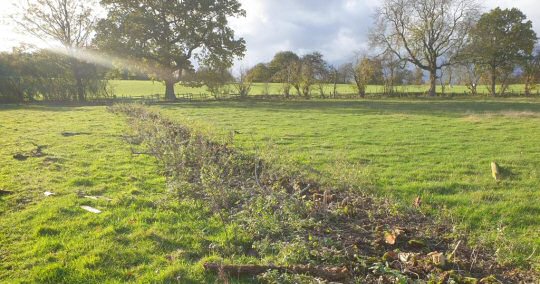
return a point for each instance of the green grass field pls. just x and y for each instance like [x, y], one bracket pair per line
[144, 234]
[146, 88]
[438, 149]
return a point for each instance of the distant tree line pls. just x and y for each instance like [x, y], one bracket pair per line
[449, 40]
[311, 73]
[191, 42]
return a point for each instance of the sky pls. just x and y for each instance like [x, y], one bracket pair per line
[336, 28]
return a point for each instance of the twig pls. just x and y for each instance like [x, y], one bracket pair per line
[455, 249]
[325, 272]
[257, 163]
[532, 254]
[473, 256]
[304, 190]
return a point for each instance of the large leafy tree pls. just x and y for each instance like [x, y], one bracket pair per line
[281, 64]
[166, 36]
[313, 69]
[284, 69]
[500, 41]
[426, 33]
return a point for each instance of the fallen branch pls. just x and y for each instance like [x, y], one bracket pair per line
[325, 272]
[133, 152]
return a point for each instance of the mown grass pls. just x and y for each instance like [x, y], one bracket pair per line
[145, 234]
[439, 150]
[146, 88]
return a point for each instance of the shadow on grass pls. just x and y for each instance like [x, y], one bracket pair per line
[516, 107]
[50, 108]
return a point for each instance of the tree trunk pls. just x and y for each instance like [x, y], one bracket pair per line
[81, 96]
[169, 90]
[433, 83]
[493, 81]
[528, 84]
[80, 89]
[335, 84]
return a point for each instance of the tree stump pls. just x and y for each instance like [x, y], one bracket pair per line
[495, 171]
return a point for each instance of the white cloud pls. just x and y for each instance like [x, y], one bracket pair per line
[337, 28]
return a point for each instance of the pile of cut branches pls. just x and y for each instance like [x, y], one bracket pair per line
[307, 229]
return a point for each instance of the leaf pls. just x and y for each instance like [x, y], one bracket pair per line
[390, 238]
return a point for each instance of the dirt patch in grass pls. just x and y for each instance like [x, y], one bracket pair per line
[37, 152]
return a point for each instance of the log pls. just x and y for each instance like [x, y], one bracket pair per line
[495, 171]
[324, 272]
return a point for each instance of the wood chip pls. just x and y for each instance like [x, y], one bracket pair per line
[90, 209]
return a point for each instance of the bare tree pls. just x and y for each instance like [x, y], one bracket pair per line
[390, 67]
[531, 72]
[426, 33]
[243, 83]
[362, 72]
[68, 22]
[446, 78]
[333, 78]
[469, 74]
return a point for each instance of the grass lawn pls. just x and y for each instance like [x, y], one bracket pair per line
[439, 150]
[145, 88]
[144, 234]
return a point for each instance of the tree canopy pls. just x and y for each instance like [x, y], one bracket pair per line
[499, 41]
[168, 35]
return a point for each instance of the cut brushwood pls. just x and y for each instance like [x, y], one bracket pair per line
[325, 272]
